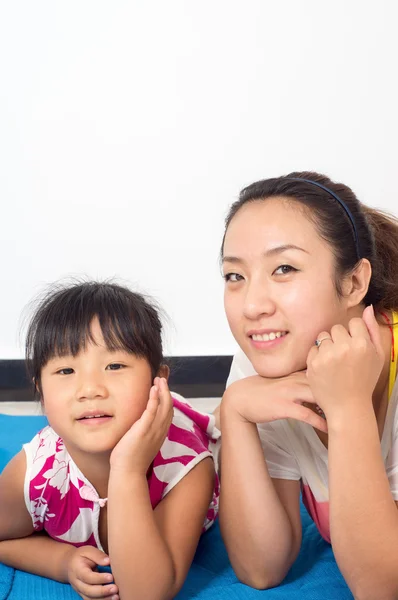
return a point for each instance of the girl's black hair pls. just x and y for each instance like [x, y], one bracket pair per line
[376, 231]
[62, 322]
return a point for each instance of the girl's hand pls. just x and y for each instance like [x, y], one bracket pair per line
[260, 400]
[139, 446]
[85, 579]
[344, 370]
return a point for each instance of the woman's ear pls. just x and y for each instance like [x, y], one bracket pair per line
[164, 371]
[356, 285]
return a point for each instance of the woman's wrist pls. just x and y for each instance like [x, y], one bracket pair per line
[232, 408]
[342, 419]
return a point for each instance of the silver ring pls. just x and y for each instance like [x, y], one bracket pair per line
[319, 342]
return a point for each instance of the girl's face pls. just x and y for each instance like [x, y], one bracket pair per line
[92, 399]
[279, 289]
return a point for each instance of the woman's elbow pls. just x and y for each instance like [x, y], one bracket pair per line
[260, 578]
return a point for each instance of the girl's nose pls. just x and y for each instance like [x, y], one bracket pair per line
[91, 387]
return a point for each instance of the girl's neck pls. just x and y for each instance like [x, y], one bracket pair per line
[95, 468]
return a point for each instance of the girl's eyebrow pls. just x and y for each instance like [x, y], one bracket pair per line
[270, 252]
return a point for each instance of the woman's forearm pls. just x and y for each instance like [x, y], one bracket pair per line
[141, 562]
[37, 554]
[363, 514]
[254, 524]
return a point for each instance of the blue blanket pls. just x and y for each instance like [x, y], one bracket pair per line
[314, 576]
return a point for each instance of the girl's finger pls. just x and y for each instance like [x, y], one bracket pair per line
[91, 577]
[97, 591]
[166, 401]
[154, 400]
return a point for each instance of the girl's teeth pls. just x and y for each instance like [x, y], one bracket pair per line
[267, 337]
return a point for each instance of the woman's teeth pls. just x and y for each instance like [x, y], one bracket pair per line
[268, 337]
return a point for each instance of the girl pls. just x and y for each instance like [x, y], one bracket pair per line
[123, 473]
[311, 286]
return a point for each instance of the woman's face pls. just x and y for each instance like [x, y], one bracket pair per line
[279, 289]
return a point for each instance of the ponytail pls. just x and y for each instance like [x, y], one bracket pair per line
[384, 228]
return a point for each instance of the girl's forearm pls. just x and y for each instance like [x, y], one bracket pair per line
[254, 524]
[363, 514]
[141, 562]
[37, 554]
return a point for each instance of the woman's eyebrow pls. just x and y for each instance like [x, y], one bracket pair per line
[280, 249]
[270, 252]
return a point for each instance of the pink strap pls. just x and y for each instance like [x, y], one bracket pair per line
[88, 493]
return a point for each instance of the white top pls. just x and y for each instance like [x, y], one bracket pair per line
[293, 450]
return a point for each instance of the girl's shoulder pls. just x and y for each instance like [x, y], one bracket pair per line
[187, 419]
[45, 442]
[41, 452]
[192, 437]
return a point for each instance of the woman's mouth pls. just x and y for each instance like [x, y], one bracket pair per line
[268, 339]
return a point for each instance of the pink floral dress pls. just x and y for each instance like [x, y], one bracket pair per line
[63, 502]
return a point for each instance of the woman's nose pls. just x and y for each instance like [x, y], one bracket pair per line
[258, 301]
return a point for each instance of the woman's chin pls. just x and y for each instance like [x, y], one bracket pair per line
[276, 371]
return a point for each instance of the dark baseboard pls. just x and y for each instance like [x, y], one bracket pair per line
[190, 376]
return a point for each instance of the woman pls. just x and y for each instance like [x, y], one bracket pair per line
[311, 286]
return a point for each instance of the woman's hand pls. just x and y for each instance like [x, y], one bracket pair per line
[260, 400]
[343, 371]
[83, 576]
[138, 447]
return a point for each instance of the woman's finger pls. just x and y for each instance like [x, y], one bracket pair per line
[339, 334]
[302, 413]
[373, 328]
[323, 338]
[358, 329]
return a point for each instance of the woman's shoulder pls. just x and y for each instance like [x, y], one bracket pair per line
[241, 367]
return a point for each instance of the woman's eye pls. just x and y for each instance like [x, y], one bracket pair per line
[234, 277]
[284, 270]
[67, 371]
[115, 367]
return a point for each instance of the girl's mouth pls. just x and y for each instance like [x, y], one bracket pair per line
[94, 418]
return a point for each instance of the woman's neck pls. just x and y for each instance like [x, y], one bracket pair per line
[380, 394]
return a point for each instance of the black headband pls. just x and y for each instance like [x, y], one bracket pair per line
[339, 200]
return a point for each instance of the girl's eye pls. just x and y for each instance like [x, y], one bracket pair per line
[234, 277]
[284, 270]
[115, 367]
[67, 371]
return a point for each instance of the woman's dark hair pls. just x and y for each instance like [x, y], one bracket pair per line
[62, 322]
[376, 231]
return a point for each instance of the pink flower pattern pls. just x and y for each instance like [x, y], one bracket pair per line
[66, 505]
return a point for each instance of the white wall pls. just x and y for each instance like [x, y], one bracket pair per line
[128, 127]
